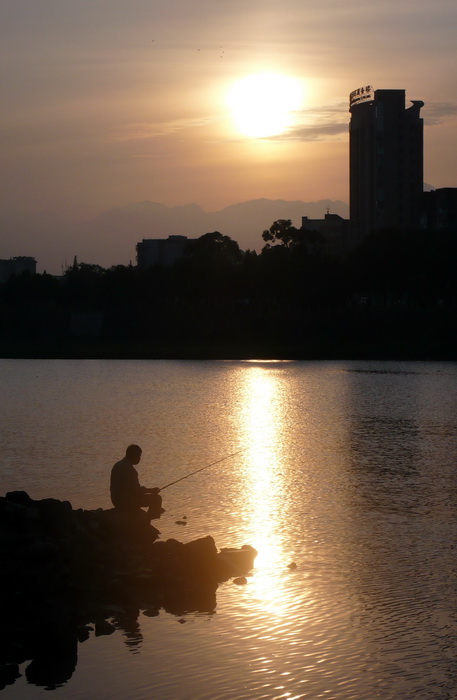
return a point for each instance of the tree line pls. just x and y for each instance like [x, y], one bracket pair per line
[395, 296]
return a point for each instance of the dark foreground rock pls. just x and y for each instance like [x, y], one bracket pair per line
[66, 573]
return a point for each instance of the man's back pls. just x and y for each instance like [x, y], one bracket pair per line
[125, 487]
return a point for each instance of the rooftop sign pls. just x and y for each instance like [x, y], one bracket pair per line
[363, 94]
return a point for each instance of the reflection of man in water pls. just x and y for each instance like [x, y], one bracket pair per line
[126, 492]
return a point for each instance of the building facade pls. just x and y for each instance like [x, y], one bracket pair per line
[386, 162]
[16, 266]
[160, 251]
[440, 209]
[333, 228]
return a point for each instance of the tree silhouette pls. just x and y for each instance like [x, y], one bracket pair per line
[281, 232]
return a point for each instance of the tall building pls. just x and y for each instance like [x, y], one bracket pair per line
[386, 161]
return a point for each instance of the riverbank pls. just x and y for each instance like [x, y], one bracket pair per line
[364, 334]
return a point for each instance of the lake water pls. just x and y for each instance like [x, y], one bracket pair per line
[347, 469]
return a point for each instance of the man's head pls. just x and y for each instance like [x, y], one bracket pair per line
[133, 453]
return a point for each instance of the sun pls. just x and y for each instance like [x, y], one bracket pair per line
[265, 104]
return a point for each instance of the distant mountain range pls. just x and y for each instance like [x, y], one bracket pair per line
[110, 238]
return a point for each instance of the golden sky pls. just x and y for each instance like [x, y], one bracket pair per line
[106, 102]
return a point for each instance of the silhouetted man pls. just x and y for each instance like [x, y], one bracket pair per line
[126, 492]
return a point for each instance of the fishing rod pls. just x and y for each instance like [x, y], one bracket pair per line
[222, 459]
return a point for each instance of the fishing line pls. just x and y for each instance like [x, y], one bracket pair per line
[186, 476]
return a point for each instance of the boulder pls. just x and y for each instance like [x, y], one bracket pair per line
[64, 570]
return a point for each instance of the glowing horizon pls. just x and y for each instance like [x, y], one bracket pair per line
[107, 108]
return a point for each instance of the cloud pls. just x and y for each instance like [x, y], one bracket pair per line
[331, 123]
[436, 113]
[328, 123]
[142, 131]
[319, 132]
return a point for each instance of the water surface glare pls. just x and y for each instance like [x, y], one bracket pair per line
[346, 469]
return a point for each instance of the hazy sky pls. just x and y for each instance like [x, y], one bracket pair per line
[106, 102]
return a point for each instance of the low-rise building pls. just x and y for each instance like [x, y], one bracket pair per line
[15, 266]
[440, 209]
[160, 251]
[333, 228]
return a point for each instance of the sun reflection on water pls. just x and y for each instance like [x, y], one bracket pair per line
[263, 423]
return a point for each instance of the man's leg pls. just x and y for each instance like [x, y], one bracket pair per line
[154, 504]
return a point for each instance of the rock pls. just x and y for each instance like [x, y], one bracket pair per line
[103, 628]
[65, 571]
[83, 633]
[134, 524]
[111, 609]
[199, 558]
[237, 561]
[240, 581]
[20, 497]
[8, 674]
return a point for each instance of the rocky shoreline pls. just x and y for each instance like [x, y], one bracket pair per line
[67, 573]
